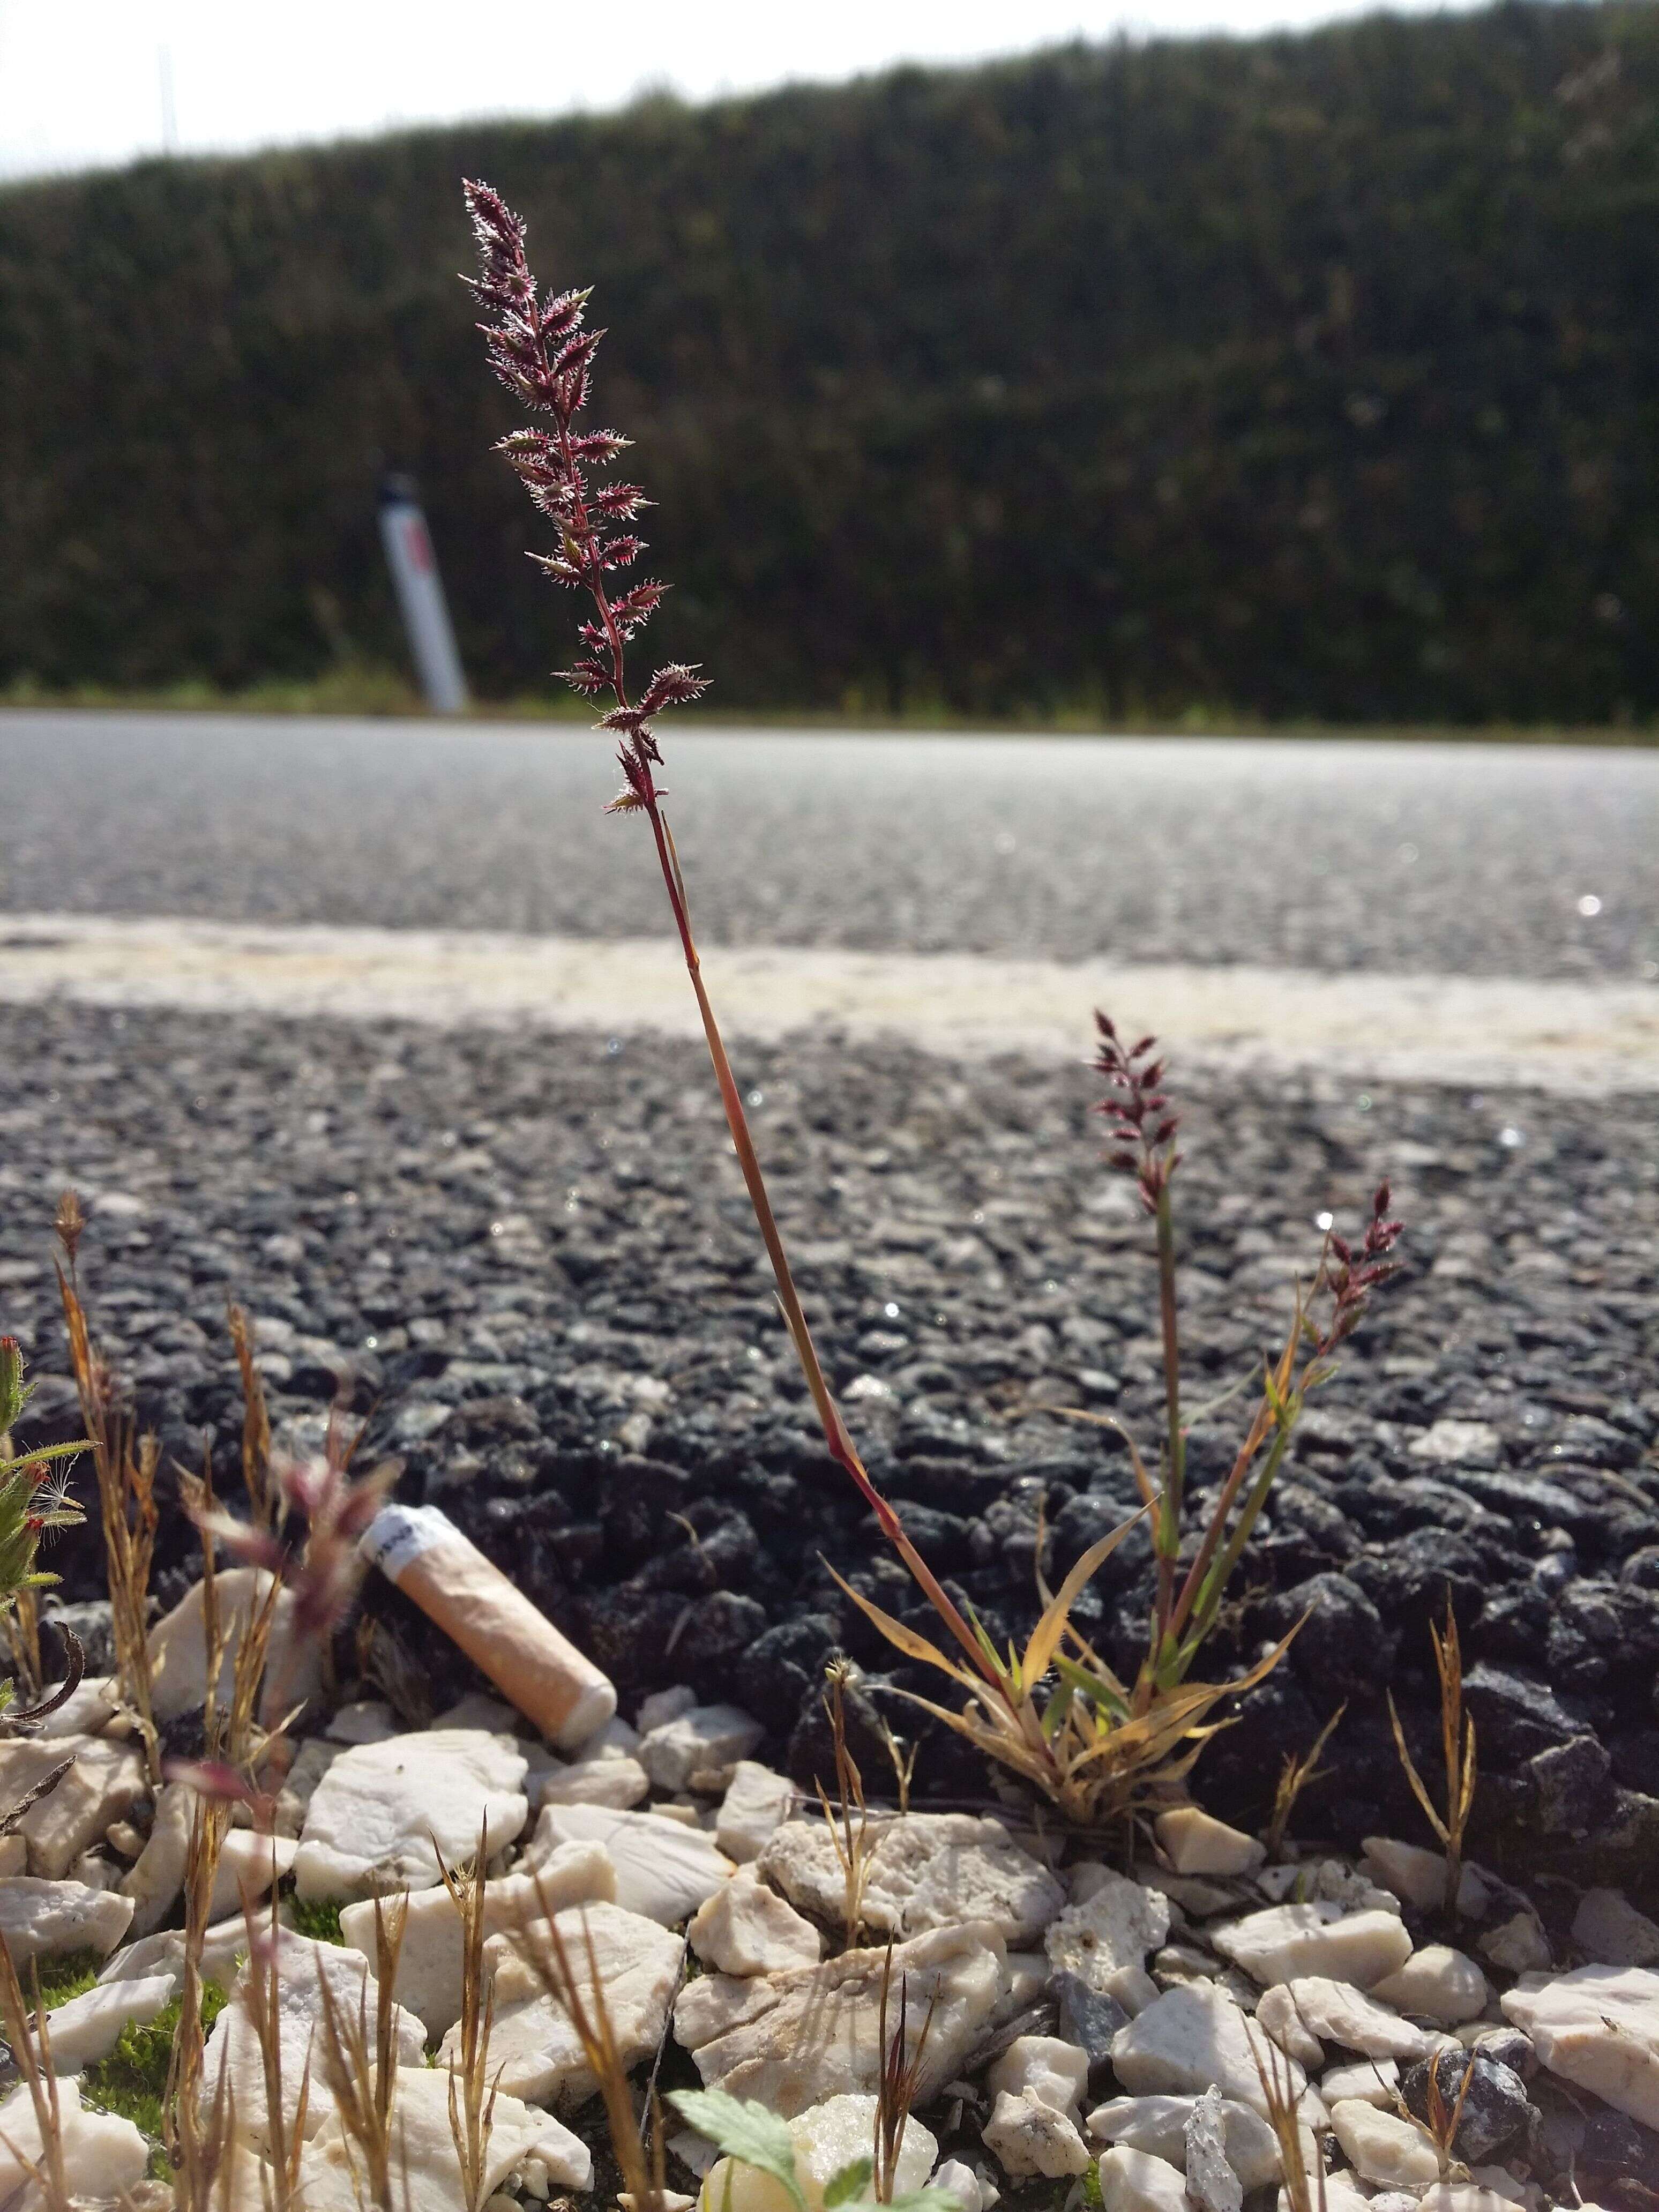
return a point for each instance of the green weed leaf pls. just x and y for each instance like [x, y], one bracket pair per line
[745, 2130]
[848, 2184]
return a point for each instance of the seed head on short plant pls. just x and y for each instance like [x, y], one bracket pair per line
[126, 1465]
[1090, 1744]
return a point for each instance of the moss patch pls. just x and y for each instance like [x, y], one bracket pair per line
[63, 1977]
[317, 1917]
[133, 2079]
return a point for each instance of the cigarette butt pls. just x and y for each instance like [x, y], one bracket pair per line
[539, 1671]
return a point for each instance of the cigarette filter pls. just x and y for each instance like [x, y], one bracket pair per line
[539, 1671]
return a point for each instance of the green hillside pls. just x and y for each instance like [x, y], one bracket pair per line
[1310, 376]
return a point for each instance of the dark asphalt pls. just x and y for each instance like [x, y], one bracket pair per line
[1480, 860]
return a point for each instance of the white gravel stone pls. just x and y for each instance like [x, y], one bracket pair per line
[1459, 1444]
[1373, 2081]
[1157, 2125]
[787, 2040]
[1194, 1843]
[87, 2028]
[1119, 1924]
[1437, 1983]
[47, 1919]
[533, 2045]
[1610, 1931]
[1192, 2039]
[178, 1650]
[223, 1948]
[1598, 2027]
[756, 1804]
[1051, 2068]
[618, 1783]
[431, 1962]
[827, 2138]
[384, 1811]
[664, 1870]
[1287, 1941]
[1278, 2016]
[663, 1706]
[705, 1736]
[959, 2182]
[103, 2155]
[1037, 2085]
[1341, 2013]
[1212, 2184]
[525, 2146]
[249, 1864]
[1028, 2138]
[311, 1762]
[157, 1874]
[1517, 1945]
[746, 1928]
[1472, 2196]
[477, 1709]
[1416, 1876]
[1344, 2194]
[104, 1782]
[927, 1870]
[233, 2054]
[1130, 2181]
[366, 1720]
[93, 1708]
[1382, 2146]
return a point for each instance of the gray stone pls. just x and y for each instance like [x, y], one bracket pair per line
[1610, 1931]
[1212, 2184]
[1495, 2108]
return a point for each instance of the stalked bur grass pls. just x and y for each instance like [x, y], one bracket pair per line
[1457, 1751]
[1093, 1745]
[847, 1820]
[1294, 1776]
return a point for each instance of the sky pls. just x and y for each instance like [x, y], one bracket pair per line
[86, 82]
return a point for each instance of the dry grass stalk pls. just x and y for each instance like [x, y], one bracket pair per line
[1457, 1748]
[197, 2140]
[287, 2135]
[473, 2103]
[1294, 1777]
[126, 1468]
[362, 2076]
[643, 2167]
[264, 1501]
[31, 2050]
[848, 1820]
[1301, 2191]
[900, 2076]
[21, 1624]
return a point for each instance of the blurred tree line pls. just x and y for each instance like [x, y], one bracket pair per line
[1308, 376]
